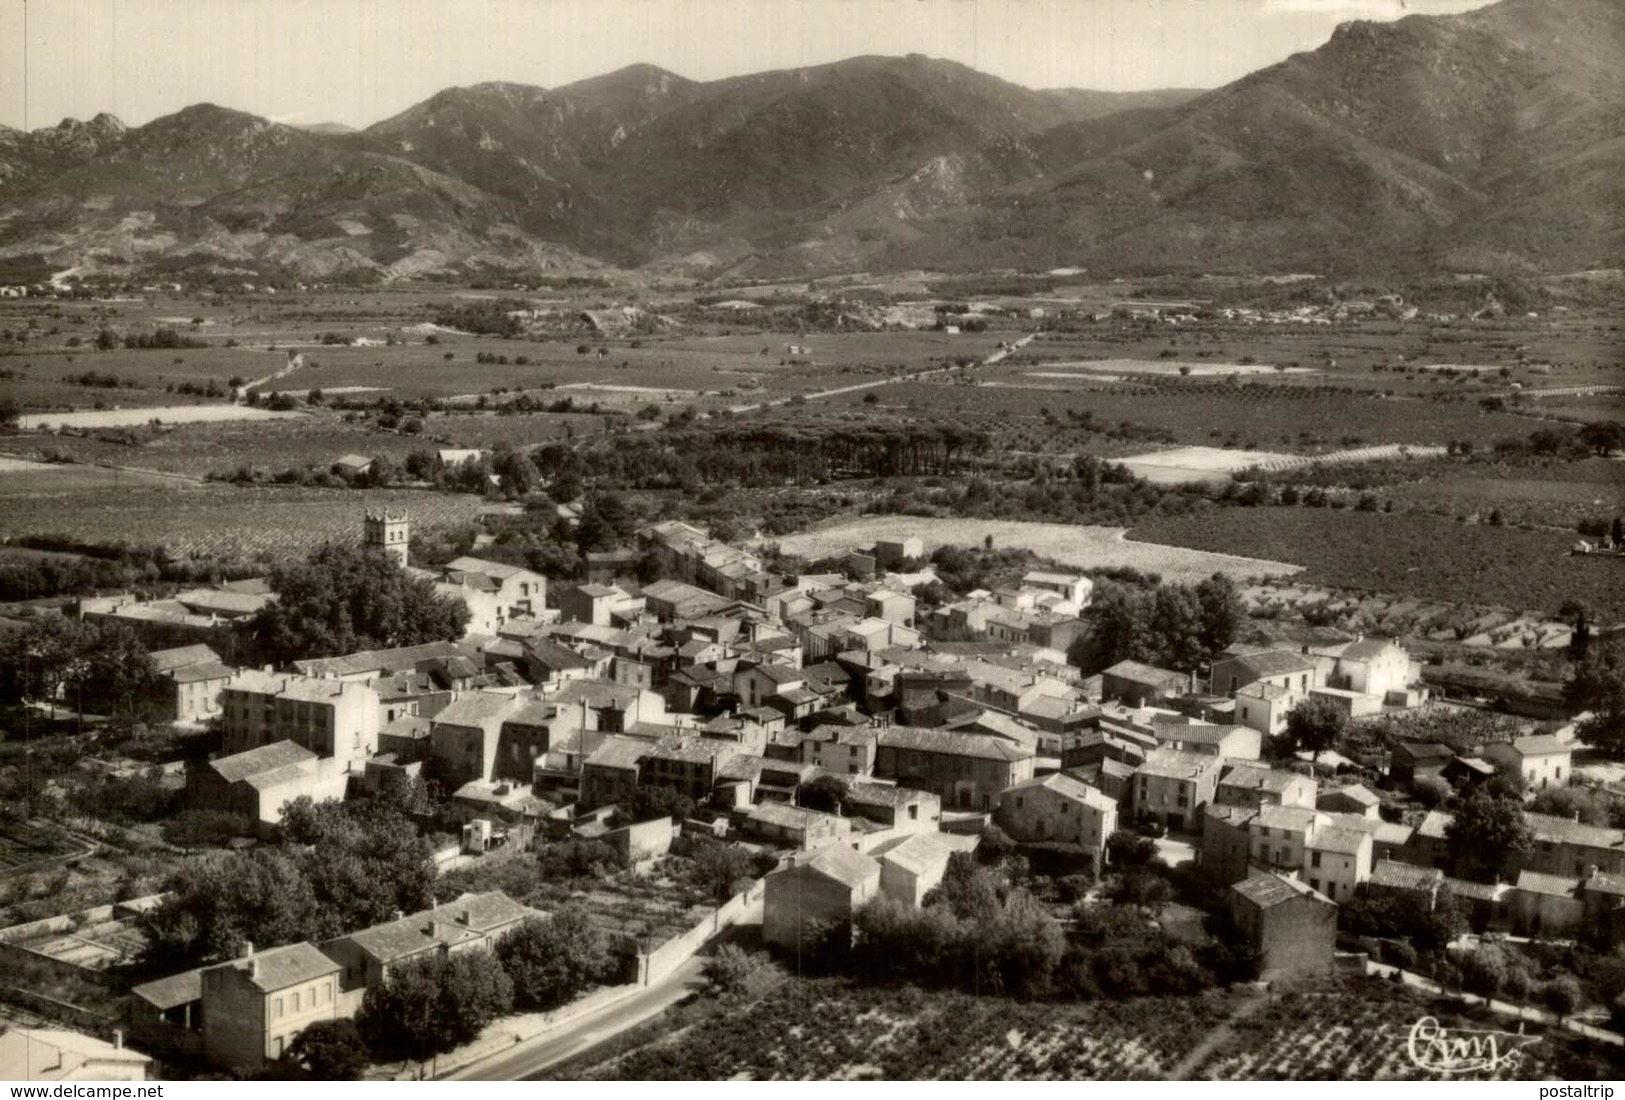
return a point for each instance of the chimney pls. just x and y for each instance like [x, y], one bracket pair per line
[397, 915]
[1576, 816]
[118, 1038]
[247, 951]
[465, 917]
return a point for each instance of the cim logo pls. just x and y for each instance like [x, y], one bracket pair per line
[1449, 1051]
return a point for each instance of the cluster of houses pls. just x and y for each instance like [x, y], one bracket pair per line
[742, 690]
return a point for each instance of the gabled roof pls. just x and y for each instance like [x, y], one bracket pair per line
[842, 864]
[1426, 750]
[1404, 876]
[1563, 830]
[1274, 662]
[1149, 675]
[785, 816]
[1434, 825]
[1357, 793]
[1338, 840]
[168, 660]
[201, 672]
[280, 967]
[478, 708]
[884, 794]
[617, 752]
[494, 569]
[919, 853]
[1175, 764]
[1255, 777]
[1541, 745]
[1268, 890]
[1068, 787]
[953, 743]
[1534, 882]
[243, 766]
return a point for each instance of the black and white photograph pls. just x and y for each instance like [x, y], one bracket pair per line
[610, 541]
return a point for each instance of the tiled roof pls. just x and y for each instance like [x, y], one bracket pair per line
[1534, 882]
[201, 672]
[952, 743]
[1541, 745]
[1267, 891]
[496, 569]
[1261, 689]
[1293, 818]
[1274, 662]
[477, 709]
[1174, 764]
[167, 660]
[1138, 673]
[883, 794]
[844, 865]
[1341, 841]
[919, 853]
[1404, 876]
[281, 967]
[267, 758]
[1357, 793]
[1071, 788]
[617, 752]
[173, 991]
[1252, 778]
[1563, 830]
[783, 815]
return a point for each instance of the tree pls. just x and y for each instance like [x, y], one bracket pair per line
[433, 1004]
[1484, 971]
[1563, 995]
[1598, 685]
[10, 412]
[1222, 613]
[722, 870]
[37, 661]
[1486, 834]
[223, 901]
[342, 599]
[650, 802]
[329, 1050]
[1176, 624]
[552, 960]
[605, 523]
[1315, 725]
[117, 672]
[571, 859]
[1122, 620]
[731, 971]
[827, 794]
[1129, 849]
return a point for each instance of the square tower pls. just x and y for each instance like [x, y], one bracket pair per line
[389, 532]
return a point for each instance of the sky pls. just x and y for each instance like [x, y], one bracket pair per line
[359, 61]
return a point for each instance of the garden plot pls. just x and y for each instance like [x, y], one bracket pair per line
[1079, 547]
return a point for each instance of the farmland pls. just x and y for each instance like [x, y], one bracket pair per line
[1350, 1028]
[27, 844]
[224, 522]
[1408, 554]
[1080, 547]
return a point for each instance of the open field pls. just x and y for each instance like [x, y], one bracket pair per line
[223, 521]
[1340, 1028]
[1409, 554]
[1183, 464]
[1070, 368]
[166, 414]
[27, 844]
[1080, 547]
[1553, 496]
[1257, 415]
[18, 478]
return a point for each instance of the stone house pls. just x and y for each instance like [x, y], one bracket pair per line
[1293, 671]
[1138, 685]
[1058, 809]
[1541, 761]
[1174, 786]
[1291, 926]
[966, 770]
[912, 867]
[822, 891]
[464, 736]
[257, 784]
[192, 678]
[1253, 786]
[253, 1007]
[334, 719]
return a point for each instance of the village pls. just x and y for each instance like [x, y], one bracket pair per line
[812, 736]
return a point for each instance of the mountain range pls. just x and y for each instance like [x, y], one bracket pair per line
[1491, 139]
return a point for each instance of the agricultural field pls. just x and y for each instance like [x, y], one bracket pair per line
[146, 414]
[19, 477]
[1408, 554]
[1554, 495]
[1080, 547]
[1258, 415]
[225, 522]
[26, 844]
[1342, 1028]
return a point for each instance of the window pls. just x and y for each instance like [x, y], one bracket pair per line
[1018, 802]
[1066, 807]
[276, 1009]
[295, 1002]
[1314, 884]
[1314, 859]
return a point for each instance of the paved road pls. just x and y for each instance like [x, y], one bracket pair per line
[530, 1058]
